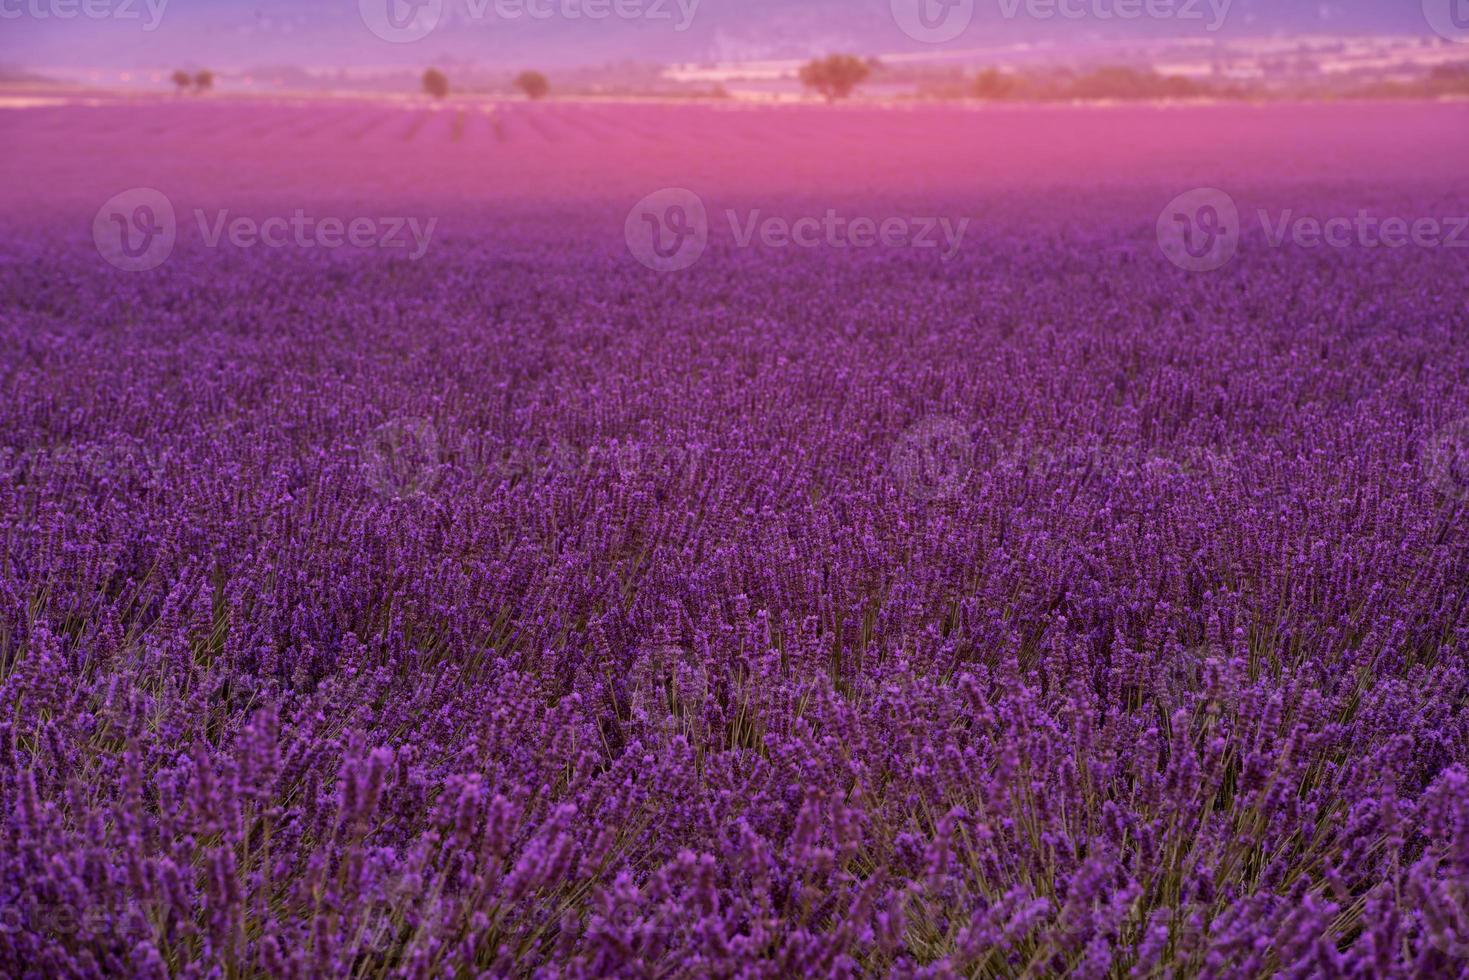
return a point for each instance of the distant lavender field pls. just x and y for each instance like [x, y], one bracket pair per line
[1033, 607]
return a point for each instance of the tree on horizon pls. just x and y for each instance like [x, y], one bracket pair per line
[533, 84]
[436, 83]
[836, 76]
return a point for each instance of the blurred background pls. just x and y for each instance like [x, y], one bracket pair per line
[1012, 50]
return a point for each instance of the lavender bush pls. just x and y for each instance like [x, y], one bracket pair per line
[1050, 611]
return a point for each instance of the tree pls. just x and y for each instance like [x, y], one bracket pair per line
[436, 83]
[203, 80]
[182, 80]
[533, 84]
[835, 76]
[1449, 79]
[990, 84]
[1131, 83]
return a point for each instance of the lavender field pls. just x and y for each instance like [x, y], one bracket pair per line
[539, 599]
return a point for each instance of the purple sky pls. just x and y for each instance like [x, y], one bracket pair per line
[229, 34]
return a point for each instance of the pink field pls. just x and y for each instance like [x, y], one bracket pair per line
[59, 158]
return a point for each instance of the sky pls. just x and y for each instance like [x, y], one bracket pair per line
[326, 34]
